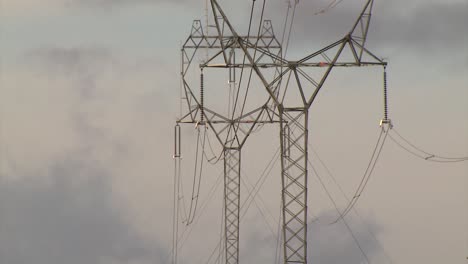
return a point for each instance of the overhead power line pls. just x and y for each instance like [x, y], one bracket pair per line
[356, 241]
[254, 58]
[340, 188]
[290, 28]
[197, 173]
[330, 6]
[411, 148]
[367, 174]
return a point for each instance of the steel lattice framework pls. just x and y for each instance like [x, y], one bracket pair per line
[232, 166]
[294, 136]
[292, 87]
[224, 45]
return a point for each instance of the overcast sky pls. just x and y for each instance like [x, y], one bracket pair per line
[89, 99]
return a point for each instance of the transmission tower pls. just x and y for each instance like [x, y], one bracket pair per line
[291, 88]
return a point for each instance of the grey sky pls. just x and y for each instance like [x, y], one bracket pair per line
[89, 98]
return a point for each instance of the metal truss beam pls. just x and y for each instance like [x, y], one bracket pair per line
[285, 65]
[232, 166]
[294, 137]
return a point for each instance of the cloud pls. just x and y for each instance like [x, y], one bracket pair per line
[28, 8]
[425, 27]
[48, 92]
[82, 65]
[327, 244]
[77, 98]
[439, 27]
[82, 123]
[71, 60]
[335, 244]
[116, 3]
[71, 218]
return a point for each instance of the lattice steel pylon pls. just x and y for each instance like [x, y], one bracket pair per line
[233, 126]
[291, 88]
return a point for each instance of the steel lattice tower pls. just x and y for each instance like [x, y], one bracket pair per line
[226, 127]
[288, 105]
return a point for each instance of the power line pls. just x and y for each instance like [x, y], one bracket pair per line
[424, 154]
[219, 244]
[241, 76]
[175, 216]
[251, 196]
[330, 174]
[367, 174]
[363, 186]
[243, 62]
[196, 186]
[261, 180]
[285, 23]
[195, 218]
[185, 234]
[254, 57]
[279, 237]
[290, 27]
[260, 209]
[341, 215]
[217, 157]
[330, 6]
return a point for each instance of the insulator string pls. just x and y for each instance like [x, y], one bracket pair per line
[202, 98]
[385, 94]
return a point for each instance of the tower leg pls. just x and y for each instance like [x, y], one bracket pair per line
[294, 140]
[232, 163]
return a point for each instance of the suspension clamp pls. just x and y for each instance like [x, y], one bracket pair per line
[386, 121]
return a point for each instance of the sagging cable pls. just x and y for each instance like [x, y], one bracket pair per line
[367, 174]
[411, 148]
[197, 175]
